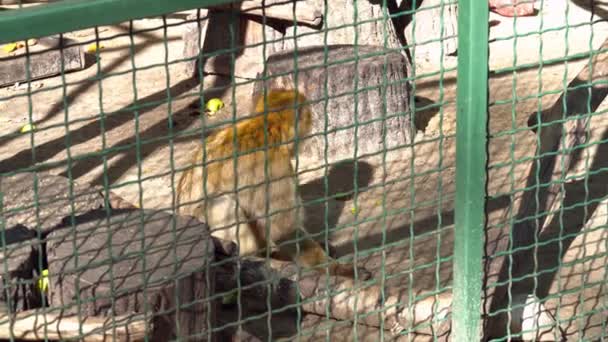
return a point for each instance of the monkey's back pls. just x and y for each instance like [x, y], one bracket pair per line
[255, 150]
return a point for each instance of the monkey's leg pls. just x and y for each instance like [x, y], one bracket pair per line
[229, 222]
[278, 207]
[309, 254]
[260, 233]
[294, 243]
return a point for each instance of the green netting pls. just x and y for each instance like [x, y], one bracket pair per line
[483, 207]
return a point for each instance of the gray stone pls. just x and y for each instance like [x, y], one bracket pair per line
[51, 199]
[45, 60]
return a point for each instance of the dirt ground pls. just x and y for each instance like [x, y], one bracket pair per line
[121, 134]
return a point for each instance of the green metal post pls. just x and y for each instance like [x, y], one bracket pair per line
[72, 15]
[471, 139]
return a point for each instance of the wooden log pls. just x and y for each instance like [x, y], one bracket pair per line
[317, 328]
[41, 204]
[18, 269]
[207, 31]
[376, 24]
[585, 93]
[302, 12]
[18, 246]
[365, 302]
[43, 62]
[113, 200]
[135, 262]
[193, 38]
[17, 2]
[238, 35]
[377, 114]
[512, 8]
[35, 325]
[373, 26]
[277, 285]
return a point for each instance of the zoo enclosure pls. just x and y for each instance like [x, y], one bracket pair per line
[471, 135]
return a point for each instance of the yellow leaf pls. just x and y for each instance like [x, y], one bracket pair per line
[229, 298]
[10, 47]
[91, 48]
[214, 105]
[27, 128]
[43, 282]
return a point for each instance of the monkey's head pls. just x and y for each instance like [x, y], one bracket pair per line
[304, 117]
[282, 105]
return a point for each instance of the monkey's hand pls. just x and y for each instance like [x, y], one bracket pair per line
[350, 270]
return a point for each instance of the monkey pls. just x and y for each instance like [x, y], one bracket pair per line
[254, 156]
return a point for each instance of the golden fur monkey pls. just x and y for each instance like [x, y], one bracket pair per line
[264, 177]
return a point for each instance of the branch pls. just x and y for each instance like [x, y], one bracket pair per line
[316, 293]
[36, 325]
[584, 95]
[304, 12]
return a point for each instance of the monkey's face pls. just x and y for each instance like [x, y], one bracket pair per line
[304, 127]
[305, 124]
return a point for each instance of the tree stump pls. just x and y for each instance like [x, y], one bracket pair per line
[433, 35]
[226, 32]
[231, 34]
[43, 209]
[18, 270]
[43, 61]
[371, 25]
[193, 38]
[367, 100]
[114, 265]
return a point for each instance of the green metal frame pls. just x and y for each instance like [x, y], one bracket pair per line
[472, 102]
[471, 158]
[72, 15]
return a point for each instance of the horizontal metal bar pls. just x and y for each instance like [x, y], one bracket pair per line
[72, 15]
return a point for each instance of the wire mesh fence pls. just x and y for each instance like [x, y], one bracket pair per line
[274, 170]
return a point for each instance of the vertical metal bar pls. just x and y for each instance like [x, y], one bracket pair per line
[471, 140]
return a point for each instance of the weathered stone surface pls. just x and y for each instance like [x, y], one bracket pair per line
[49, 199]
[361, 93]
[18, 269]
[135, 261]
[44, 61]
